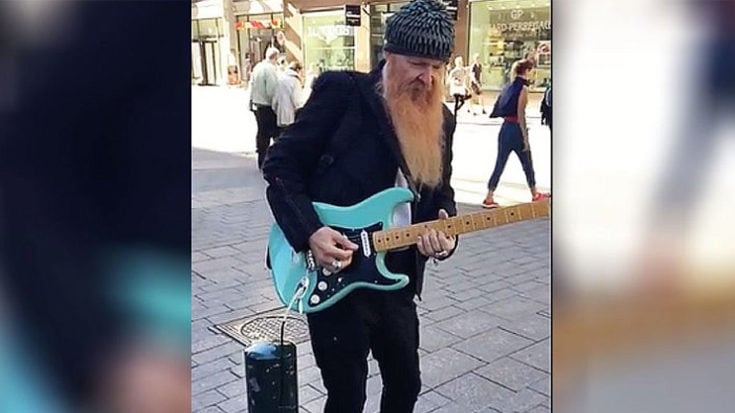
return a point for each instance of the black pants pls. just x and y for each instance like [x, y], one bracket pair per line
[266, 119]
[341, 337]
[510, 140]
[458, 103]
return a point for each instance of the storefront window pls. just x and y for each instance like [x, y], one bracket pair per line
[503, 31]
[256, 33]
[378, 15]
[210, 28]
[328, 43]
[206, 57]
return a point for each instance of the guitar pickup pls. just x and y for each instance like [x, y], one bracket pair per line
[365, 239]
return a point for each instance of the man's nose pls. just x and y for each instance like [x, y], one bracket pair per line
[425, 77]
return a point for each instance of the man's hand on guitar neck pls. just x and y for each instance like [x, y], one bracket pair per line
[331, 249]
[435, 243]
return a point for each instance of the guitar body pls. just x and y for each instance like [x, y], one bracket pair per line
[367, 269]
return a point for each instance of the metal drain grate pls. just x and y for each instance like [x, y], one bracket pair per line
[267, 326]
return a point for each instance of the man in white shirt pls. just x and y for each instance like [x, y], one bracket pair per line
[262, 89]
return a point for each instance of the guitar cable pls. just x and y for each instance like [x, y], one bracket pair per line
[298, 296]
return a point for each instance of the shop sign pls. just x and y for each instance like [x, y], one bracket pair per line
[452, 7]
[207, 9]
[330, 33]
[522, 26]
[353, 15]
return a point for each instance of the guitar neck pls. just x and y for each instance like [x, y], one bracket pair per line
[406, 236]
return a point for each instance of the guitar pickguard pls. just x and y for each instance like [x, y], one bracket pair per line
[362, 270]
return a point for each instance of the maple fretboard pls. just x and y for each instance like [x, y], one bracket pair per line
[405, 236]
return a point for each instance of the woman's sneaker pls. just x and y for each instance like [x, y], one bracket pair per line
[540, 197]
[490, 203]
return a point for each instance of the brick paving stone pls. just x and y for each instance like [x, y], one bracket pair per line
[316, 405]
[511, 374]
[537, 355]
[469, 324]
[430, 401]
[211, 409]
[444, 365]
[441, 314]
[235, 405]
[542, 386]
[514, 307]
[433, 339]
[534, 327]
[201, 401]
[212, 382]
[475, 392]
[493, 344]
[522, 401]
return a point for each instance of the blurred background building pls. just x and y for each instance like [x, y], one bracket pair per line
[230, 36]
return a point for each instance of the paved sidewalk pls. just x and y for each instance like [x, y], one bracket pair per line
[485, 317]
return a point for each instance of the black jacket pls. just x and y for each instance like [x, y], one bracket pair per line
[300, 168]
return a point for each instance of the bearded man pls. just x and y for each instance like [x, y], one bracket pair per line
[360, 134]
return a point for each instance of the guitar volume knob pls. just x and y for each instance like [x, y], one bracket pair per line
[322, 286]
[314, 299]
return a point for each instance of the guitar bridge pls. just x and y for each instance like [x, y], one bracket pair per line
[310, 261]
[365, 239]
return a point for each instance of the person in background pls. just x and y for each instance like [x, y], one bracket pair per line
[282, 64]
[546, 108]
[459, 84]
[287, 99]
[262, 90]
[513, 137]
[476, 83]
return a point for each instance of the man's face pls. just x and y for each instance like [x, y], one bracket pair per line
[416, 74]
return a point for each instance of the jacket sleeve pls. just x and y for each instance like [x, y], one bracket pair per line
[293, 158]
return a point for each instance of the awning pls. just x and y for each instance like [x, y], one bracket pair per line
[259, 24]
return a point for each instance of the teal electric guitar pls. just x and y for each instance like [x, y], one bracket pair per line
[369, 225]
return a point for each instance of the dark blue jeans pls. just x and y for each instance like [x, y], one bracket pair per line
[510, 140]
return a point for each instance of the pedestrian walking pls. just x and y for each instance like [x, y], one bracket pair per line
[393, 129]
[262, 90]
[476, 83]
[459, 84]
[546, 108]
[287, 99]
[513, 136]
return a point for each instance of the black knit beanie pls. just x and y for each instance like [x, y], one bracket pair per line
[421, 28]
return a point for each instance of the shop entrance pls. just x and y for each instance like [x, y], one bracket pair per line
[205, 59]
